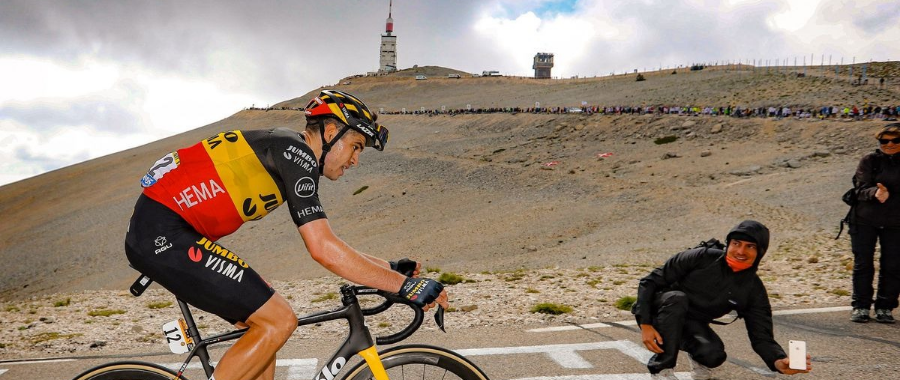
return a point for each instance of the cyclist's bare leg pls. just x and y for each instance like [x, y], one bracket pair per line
[269, 372]
[254, 354]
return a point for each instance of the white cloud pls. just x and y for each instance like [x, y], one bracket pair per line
[175, 104]
[53, 115]
[13, 168]
[567, 36]
[603, 36]
[147, 70]
[25, 153]
[796, 16]
[859, 30]
[27, 78]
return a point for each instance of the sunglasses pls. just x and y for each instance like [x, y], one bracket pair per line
[381, 136]
[895, 140]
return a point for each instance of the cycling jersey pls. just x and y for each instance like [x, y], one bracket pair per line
[237, 176]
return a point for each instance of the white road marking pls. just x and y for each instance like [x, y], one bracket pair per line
[618, 376]
[569, 359]
[579, 327]
[39, 361]
[298, 369]
[812, 311]
[3, 370]
[301, 369]
[633, 323]
[566, 355]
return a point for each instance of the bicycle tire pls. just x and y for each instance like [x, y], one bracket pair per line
[420, 362]
[128, 371]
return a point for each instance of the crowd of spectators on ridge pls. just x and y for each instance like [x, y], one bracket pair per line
[867, 112]
[846, 112]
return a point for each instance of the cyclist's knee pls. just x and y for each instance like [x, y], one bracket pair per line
[285, 319]
[276, 317]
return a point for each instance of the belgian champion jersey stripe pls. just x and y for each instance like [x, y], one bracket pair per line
[220, 183]
[244, 176]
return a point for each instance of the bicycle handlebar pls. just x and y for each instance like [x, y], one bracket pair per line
[389, 300]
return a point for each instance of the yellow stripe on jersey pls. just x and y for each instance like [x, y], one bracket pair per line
[250, 186]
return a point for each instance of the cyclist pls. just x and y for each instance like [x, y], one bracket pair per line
[196, 195]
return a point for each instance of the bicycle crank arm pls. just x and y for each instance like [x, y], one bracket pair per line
[439, 317]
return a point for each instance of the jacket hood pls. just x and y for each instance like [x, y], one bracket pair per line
[757, 231]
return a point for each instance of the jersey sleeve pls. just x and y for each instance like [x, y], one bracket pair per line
[296, 165]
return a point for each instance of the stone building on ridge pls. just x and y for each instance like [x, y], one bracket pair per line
[543, 62]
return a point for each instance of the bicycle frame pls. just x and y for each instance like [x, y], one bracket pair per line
[359, 341]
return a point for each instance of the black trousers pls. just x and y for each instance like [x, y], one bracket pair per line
[680, 333]
[862, 242]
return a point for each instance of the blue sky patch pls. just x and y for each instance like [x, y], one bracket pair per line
[553, 7]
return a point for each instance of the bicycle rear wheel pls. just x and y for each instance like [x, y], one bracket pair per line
[420, 362]
[128, 371]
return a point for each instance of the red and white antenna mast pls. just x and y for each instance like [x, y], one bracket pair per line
[389, 27]
[387, 62]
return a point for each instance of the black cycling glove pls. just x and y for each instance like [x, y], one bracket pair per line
[404, 266]
[421, 291]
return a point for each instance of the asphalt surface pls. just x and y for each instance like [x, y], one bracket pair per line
[840, 350]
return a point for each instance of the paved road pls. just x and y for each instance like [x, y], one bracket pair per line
[610, 351]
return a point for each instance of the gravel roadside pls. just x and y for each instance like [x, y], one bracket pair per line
[797, 274]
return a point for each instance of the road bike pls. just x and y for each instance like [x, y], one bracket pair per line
[417, 361]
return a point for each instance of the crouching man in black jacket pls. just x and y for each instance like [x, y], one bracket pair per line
[677, 302]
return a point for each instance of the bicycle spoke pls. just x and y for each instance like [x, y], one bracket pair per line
[423, 363]
[426, 372]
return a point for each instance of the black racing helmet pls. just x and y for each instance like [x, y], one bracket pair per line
[352, 112]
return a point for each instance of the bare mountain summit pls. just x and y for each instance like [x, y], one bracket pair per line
[490, 192]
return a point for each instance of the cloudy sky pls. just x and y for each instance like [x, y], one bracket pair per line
[81, 79]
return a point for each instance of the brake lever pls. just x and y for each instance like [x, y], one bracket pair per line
[439, 317]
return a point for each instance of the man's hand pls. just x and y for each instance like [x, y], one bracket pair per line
[651, 338]
[783, 366]
[882, 193]
[443, 300]
[424, 292]
[406, 267]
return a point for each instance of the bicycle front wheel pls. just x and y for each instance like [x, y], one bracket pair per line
[420, 362]
[128, 371]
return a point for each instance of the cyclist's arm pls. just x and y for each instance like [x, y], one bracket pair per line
[376, 260]
[387, 264]
[341, 259]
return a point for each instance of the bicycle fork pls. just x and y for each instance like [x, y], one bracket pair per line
[371, 356]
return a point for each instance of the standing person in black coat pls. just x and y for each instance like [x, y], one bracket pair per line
[876, 217]
[677, 301]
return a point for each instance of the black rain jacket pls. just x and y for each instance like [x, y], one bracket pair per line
[870, 211]
[714, 290]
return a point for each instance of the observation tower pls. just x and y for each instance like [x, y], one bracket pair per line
[388, 57]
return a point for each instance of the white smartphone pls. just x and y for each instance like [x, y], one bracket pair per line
[797, 354]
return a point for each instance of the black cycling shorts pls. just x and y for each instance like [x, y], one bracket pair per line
[163, 246]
